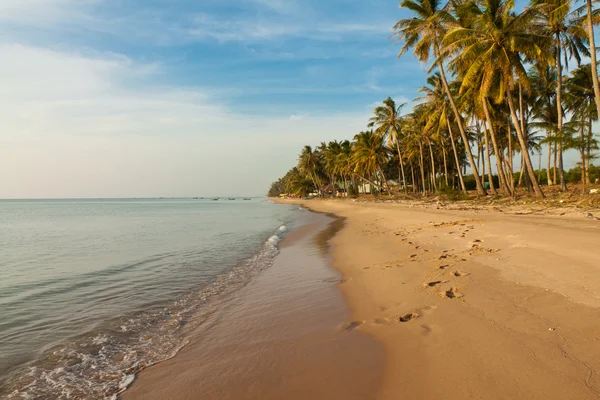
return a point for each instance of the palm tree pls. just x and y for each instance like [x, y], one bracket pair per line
[555, 19]
[591, 17]
[309, 163]
[491, 53]
[369, 154]
[435, 96]
[580, 102]
[544, 109]
[424, 33]
[388, 122]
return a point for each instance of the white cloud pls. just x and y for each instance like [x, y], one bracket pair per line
[42, 12]
[261, 29]
[71, 125]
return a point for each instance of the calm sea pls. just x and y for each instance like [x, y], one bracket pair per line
[93, 291]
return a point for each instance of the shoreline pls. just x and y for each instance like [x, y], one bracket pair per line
[282, 336]
[473, 303]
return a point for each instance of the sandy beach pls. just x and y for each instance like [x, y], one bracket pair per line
[473, 304]
[283, 336]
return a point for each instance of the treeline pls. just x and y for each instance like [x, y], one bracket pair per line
[498, 92]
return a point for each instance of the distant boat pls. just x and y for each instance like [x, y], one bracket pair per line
[215, 199]
[247, 198]
[231, 198]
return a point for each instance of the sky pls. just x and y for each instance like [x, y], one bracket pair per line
[142, 98]
[146, 98]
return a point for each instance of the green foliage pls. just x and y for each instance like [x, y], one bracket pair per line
[352, 191]
[453, 194]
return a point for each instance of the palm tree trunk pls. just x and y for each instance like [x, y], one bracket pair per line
[459, 122]
[521, 171]
[501, 177]
[445, 163]
[412, 172]
[385, 182]
[582, 151]
[460, 176]
[522, 141]
[489, 160]
[561, 172]
[540, 167]
[589, 149]
[401, 165]
[555, 160]
[422, 168]
[480, 153]
[511, 157]
[432, 166]
[549, 161]
[370, 182]
[590, 28]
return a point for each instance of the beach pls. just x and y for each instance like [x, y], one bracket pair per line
[285, 335]
[437, 303]
[475, 304]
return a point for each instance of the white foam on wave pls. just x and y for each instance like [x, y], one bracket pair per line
[104, 364]
[273, 240]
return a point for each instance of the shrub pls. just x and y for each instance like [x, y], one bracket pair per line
[352, 191]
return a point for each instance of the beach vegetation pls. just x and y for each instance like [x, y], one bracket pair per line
[503, 86]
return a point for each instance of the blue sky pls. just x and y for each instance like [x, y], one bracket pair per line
[180, 97]
[132, 98]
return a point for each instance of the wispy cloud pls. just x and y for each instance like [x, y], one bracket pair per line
[252, 30]
[43, 13]
[69, 122]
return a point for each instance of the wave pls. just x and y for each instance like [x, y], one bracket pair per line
[101, 363]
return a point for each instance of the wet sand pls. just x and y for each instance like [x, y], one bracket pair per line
[474, 304]
[281, 337]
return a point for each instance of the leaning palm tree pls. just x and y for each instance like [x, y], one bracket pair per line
[424, 33]
[493, 48]
[591, 18]
[555, 19]
[388, 122]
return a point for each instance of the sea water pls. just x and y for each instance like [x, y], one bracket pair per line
[93, 291]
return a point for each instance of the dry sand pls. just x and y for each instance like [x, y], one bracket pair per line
[474, 304]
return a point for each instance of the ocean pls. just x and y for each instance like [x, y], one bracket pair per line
[93, 291]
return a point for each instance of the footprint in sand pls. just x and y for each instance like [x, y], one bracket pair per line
[352, 326]
[409, 317]
[433, 283]
[452, 293]
[459, 274]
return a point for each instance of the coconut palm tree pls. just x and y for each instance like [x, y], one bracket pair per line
[309, 163]
[591, 18]
[491, 53]
[544, 109]
[388, 123]
[555, 19]
[369, 154]
[579, 98]
[435, 96]
[424, 33]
